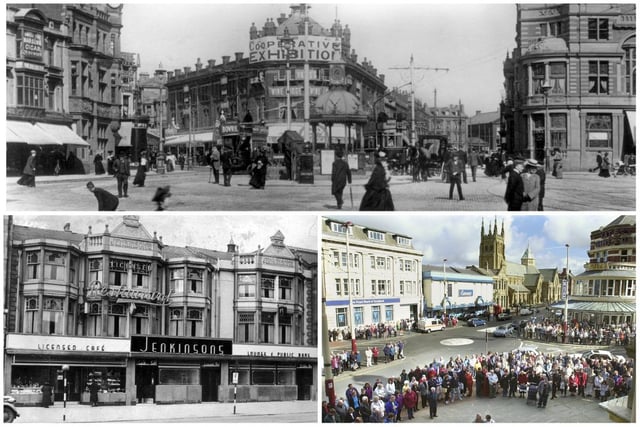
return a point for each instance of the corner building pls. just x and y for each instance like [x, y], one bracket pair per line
[151, 322]
[384, 271]
[571, 83]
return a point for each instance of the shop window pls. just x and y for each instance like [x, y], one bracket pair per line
[246, 327]
[194, 323]
[388, 310]
[54, 265]
[598, 29]
[179, 376]
[599, 128]
[358, 316]
[266, 286]
[116, 326]
[195, 280]
[247, 285]
[599, 77]
[243, 374]
[263, 377]
[558, 131]
[286, 376]
[176, 279]
[341, 317]
[109, 380]
[285, 288]
[31, 306]
[375, 314]
[94, 319]
[33, 265]
[53, 316]
[267, 325]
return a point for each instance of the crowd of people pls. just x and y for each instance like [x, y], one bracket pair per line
[518, 374]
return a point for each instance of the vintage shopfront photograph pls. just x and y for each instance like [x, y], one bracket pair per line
[173, 318]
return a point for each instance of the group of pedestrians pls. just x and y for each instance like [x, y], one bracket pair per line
[516, 374]
[525, 185]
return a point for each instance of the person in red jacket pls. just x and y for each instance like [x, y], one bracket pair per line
[410, 401]
[582, 381]
[468, 378]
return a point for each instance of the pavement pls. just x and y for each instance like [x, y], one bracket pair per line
[191, 191]
[149, 412]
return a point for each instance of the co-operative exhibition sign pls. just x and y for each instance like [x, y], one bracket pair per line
[312, 48]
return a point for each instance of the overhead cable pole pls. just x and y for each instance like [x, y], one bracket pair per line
[413, 108]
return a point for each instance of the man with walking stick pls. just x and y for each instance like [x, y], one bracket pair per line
[340, 175]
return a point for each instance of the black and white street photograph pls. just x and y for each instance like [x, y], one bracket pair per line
[470, 318]
[160, 319]
[321, 107]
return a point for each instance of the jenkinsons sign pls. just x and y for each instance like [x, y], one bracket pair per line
[180, 346]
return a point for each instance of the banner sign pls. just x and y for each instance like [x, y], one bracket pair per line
[312, 48]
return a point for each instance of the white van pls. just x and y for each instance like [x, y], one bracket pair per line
[427, 325]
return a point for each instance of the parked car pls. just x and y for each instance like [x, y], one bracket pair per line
[10, 411]
[503, 331]
[427, 325]
[474, 321]
[525, 311]
[603, 355]
[504, 316]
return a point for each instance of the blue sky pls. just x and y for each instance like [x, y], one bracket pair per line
[206, 231]
[471, 39]
[457, 237]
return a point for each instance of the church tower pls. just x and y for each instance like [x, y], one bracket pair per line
[527, 258]
[491, 247]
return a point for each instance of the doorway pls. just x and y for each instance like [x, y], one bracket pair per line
[146, 380]
[304, 380]
[210, 382]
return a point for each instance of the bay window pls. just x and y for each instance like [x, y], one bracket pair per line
[54, 265]
[53, 316]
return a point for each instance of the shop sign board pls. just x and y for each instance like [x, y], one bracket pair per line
[274, 351]
[31, 45]
[181, 346]
[74, 345]
[313, 48]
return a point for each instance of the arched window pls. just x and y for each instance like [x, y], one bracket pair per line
[629, 48]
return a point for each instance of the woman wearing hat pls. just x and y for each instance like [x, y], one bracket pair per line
[531, 181]
[378, 196]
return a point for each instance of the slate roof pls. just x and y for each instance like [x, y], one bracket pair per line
[21, 232]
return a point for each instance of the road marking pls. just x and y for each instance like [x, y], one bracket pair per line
[456, 341]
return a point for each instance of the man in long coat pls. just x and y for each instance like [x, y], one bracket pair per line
[340, 175]
[122, 170]
[28, 177]
[514, 194]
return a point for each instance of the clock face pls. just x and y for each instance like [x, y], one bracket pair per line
[337, 74]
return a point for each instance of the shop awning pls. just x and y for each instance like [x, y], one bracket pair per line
[26, 133]
[196, 138]
[597, 306]
[125, 134]
[631, 117]
[63, 134]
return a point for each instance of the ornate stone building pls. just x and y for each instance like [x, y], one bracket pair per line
[571, 82]
[157, 323]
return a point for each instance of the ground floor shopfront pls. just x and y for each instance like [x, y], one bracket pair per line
[155, 369]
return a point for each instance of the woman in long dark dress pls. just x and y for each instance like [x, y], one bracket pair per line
[141, 174]
[378, 197]
[97, 162]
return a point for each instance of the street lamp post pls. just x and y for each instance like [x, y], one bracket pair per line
[287, 43]
[352, 316]
[444, 300]
[65, 369]
[566, 298]
[160, 158]
[187, 103]
[546, 88]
